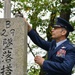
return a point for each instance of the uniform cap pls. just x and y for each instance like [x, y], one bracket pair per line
[60, 22]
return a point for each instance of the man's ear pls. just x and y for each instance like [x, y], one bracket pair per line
[64, 31]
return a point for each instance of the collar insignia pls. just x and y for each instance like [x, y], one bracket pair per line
[63, 47]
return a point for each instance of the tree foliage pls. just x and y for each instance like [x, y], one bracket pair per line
[37, 11]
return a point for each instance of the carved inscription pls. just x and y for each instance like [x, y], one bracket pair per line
[7, 35]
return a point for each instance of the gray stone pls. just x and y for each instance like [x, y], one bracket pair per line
[13, 46]
[7, 8]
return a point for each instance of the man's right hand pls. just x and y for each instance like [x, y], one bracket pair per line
[29, 27]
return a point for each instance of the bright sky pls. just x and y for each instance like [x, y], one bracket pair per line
[1, 13]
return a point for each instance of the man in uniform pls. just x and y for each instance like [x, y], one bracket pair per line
[61, 52]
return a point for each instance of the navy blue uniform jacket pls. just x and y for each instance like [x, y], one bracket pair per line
[60, 60]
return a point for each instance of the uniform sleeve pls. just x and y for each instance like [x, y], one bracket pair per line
[38, 40]
[64, 67]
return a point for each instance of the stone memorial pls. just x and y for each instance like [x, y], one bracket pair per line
[13, 43]
[13, 46]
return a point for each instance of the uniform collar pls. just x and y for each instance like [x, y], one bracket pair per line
[59, 43]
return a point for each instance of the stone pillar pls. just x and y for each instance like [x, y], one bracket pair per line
[7, 8]
[13, 46]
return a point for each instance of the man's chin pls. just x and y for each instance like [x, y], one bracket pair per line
[53, 38]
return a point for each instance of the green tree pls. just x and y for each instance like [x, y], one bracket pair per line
[37, 9]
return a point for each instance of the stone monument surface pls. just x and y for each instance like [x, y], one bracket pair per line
[13, 46]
